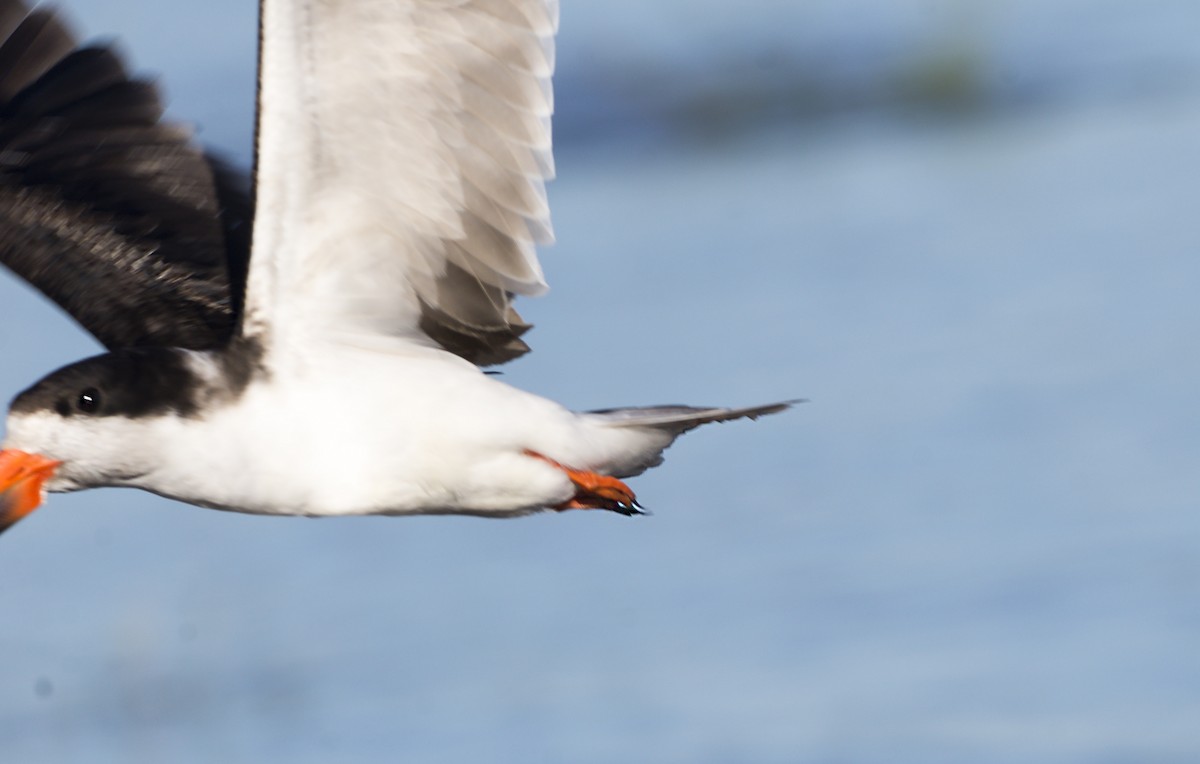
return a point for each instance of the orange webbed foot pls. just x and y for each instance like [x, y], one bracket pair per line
[596, 491]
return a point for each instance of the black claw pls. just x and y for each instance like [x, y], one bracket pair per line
[632, 509]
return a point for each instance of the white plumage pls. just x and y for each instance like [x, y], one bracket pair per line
[402, 153]
[396, 136]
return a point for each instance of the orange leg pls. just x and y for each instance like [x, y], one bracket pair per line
[596, 491]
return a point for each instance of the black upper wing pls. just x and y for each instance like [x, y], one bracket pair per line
[112, 214]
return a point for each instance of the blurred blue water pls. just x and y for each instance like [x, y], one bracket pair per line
[976, 543]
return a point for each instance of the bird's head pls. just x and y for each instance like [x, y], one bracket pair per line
[96, 422]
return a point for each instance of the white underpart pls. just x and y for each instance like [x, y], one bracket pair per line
[363, 431]
[351, 431]
[396, 136]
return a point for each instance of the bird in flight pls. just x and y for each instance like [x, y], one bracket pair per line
[313, 345]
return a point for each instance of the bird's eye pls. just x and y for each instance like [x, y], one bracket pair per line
[88, 401]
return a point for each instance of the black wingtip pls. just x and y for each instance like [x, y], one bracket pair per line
[110, 212]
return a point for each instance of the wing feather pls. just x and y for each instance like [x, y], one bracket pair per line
[107, 211]
[36, 43]
[403, 151]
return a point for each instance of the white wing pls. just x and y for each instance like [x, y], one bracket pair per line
[403, 149]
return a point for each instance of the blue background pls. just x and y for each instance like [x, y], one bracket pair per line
[966, 230]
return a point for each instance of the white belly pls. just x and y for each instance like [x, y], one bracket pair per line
[368, 433]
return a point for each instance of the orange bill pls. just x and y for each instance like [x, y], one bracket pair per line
[22, 477]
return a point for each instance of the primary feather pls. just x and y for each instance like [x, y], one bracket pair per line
[93, 181]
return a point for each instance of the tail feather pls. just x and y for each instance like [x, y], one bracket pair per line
[650, 430]
[680, 419]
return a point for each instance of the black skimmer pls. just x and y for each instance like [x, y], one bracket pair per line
[328, 363]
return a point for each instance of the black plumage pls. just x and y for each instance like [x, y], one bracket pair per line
[130, 383]
[111, 213]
